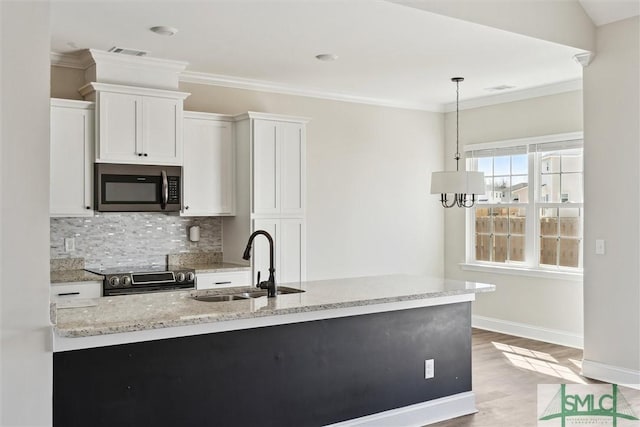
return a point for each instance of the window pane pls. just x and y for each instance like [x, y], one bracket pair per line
[501, 165]
[519, 165]
[549, 222]
[549, 251]
[483, 220]
[570, 223]
[485, 164]
[500, 248]
[550, 188]
[549, 163]
[571, 188]
[488, 194]
[572, 160]
[516, 248]
[501, 186]
[569, 252]
[483, 247]
[520, 188]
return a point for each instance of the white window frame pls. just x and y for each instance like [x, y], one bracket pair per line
[531, 266]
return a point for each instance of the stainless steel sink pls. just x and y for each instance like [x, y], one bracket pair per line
[238, 296]
[219, 298]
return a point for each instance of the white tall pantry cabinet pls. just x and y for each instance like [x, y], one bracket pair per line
[271, 196]
[71, 158]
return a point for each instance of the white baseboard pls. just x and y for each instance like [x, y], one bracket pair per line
[611, 374]
[420, 414]
[524, 330]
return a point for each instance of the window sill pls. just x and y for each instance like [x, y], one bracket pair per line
[523, 271]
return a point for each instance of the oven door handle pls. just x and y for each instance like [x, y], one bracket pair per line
[165, 190]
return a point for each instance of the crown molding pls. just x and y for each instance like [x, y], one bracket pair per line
[70, 60]
[267, 86]
[518, 95]
[130, 90]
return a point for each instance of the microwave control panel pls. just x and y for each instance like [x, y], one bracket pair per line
[174, 189]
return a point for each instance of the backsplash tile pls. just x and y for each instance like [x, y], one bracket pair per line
[118, 239]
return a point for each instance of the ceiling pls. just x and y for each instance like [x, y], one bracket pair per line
[604, 12]
[388, 54]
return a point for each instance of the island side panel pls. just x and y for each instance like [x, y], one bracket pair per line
[301, 374]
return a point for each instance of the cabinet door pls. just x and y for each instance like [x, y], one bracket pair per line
[292, 168]
[71, 161]
[161, 130]
[208, 168]
[266, 165]
[292, 248]
[120, 137]
[260, 251]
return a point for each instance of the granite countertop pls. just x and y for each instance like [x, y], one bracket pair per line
[65, 276]
[216, 267]
[130, 313]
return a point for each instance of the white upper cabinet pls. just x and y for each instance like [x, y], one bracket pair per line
[209, 165]
[71, 158]
[278, 167]
[137, 125]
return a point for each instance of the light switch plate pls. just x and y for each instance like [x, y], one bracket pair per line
[69, 244]
[600, 249]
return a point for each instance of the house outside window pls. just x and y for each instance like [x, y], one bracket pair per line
[531, 215]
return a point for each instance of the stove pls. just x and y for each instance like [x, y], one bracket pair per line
[143, 279]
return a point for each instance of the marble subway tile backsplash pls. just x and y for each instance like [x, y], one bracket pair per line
[118, 239]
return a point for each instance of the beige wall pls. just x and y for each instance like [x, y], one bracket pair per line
[537, 303]
[612, 139]
[368, 168]
[25, 355]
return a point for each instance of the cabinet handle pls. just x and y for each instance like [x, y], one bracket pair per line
[66, 294]
[139, 154]
[223, 283]
[186, 207]
[87, 207]
[145, 154]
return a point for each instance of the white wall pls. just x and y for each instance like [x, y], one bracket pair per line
[368, 169]
[612, 139]
[368, 207]
[540, 307]
[25, 361]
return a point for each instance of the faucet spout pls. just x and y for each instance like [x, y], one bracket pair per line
[270, 283]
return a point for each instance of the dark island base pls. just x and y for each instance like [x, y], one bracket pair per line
[303, 374]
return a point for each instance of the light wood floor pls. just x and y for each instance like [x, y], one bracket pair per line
[506, 373]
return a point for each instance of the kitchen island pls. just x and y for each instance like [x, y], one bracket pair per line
[348, 351]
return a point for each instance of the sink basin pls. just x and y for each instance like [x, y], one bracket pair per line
[220, 298]
[282, 290]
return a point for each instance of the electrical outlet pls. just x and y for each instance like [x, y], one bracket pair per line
[69, 244]
[429, 370]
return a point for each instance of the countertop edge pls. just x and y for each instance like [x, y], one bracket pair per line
[66, 340]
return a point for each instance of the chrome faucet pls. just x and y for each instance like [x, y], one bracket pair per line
[270, 283]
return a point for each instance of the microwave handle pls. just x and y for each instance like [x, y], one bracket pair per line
[165, 190]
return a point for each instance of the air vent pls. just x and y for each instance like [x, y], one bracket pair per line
[127, 51]
[499, 88]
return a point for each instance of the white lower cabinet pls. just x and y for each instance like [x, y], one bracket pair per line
[71, 158]
[289, 236]
[223, 279]
[75, 290]
[209, 165]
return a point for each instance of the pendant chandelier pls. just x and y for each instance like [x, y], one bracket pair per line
[463, 186]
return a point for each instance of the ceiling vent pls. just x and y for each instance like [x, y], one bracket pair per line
[126, 51]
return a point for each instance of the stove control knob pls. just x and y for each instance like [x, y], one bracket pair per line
[180, 277]
[114, 281]
[126, 281]
[190, 276]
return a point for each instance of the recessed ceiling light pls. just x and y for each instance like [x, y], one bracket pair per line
[499, 88]
[327, 57]
[163, 30]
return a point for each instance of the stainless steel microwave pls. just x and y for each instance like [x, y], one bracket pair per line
[137, 188]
